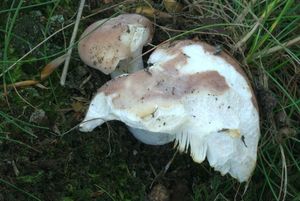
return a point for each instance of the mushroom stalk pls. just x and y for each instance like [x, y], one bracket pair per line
[151, 138]
[130, 65]
[137, 62]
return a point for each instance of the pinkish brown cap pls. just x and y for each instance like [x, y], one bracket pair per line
[107, 42]
[201, 98]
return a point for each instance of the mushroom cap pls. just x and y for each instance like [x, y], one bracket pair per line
[106, 42]
[203, 99]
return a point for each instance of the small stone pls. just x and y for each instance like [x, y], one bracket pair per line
[159, 193]
[134, 152]
[57, 18]
[37, 116]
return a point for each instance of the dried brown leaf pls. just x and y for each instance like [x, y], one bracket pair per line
[46, 71]
[78, 106]
[25, 83]
[49, 68]
[151, 12]
[172, 6]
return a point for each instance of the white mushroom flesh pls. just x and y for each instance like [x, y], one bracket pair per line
[202, 99]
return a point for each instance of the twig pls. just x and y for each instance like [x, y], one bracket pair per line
[170, 162]
[164, 170]
[46, 71]
[284, 178]
[66, 66]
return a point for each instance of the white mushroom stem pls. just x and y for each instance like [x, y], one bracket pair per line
[137, 62]
[151, 138]
[130, 65]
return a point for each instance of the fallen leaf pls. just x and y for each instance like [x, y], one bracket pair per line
[151, 12]
[172, 6]
[78, 106]
[46, 71]
[49, 68]
[25, 83]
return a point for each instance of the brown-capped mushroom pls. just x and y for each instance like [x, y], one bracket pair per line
[115, 45]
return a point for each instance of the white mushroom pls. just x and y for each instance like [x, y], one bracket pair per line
[202, 98]
[115, 45]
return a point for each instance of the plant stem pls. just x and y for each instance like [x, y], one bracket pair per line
[66, 66]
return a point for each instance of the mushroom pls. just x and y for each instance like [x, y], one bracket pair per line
[201, 98]
[115, 45]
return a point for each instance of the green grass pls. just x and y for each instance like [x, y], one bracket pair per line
[56, 162]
